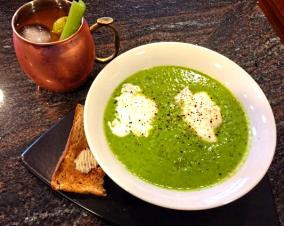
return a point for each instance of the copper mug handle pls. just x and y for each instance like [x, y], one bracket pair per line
[107, 22]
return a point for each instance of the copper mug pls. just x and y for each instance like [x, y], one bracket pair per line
[63, 65]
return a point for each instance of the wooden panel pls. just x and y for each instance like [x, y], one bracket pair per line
[278, 8]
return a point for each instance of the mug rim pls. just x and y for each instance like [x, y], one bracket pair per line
[17, 12]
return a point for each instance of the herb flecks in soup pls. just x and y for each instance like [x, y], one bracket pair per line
[173, 154]
[200, 113]
[134, 112]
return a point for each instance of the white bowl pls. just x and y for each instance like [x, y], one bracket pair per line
[231, 75]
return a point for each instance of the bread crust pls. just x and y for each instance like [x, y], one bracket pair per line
[65, 177]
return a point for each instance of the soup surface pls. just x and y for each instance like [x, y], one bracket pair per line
[170, 150]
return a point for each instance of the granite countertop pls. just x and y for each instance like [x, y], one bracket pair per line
[236, 29]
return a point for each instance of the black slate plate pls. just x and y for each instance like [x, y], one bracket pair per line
[120, 208]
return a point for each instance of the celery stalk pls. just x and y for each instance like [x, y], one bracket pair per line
[74, 18]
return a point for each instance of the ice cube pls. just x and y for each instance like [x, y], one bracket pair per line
[36, 33]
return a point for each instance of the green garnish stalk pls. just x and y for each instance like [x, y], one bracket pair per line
[74, 18]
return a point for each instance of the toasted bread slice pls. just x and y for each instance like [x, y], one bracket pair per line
[66, 177]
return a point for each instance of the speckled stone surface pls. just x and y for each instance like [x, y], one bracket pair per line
[236, 29]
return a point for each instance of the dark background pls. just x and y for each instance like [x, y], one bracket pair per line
[236, 29]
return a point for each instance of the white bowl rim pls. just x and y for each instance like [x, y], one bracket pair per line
[253, 181]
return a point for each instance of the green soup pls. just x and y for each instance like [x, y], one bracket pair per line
[172, 155]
